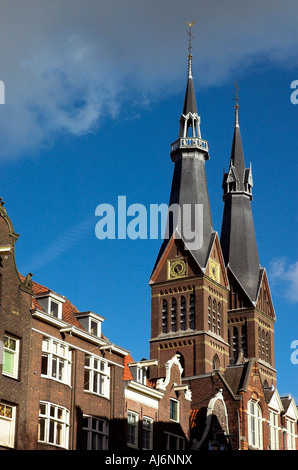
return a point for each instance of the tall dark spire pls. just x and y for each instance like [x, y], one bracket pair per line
[238, 238]
[189, 187]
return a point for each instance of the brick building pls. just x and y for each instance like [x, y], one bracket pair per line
[210, 381]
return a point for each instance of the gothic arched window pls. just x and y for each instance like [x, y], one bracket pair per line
[192, 311]
[182, 313]
[214, 316]
[209, 312]
[235, 343]
[244, 339]
[218, 318]
[174, 314]
[164, 316]
[215, 362]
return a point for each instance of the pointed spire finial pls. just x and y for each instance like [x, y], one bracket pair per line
[236, 105]
[190, 25]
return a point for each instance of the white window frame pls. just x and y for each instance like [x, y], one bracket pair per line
[142, 375]
[176, 404]
[255, 424]
[14, 353]
[57, 357]
[273, 430]
[98, 372]
[54, 418]
[7, 424]
[134, 426]
[45, 302]
[291, 438]
[95, 435]
[147, 433]
[178, 439]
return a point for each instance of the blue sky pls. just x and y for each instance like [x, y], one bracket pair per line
[93, 96]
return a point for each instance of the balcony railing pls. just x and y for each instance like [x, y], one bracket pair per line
[190, 142]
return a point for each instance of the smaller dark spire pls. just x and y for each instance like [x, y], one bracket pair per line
[238, 238]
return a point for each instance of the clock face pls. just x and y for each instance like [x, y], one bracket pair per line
[177, 268]
[214, 270]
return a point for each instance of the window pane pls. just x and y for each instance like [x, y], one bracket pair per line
[8, 362]
[42, 423]
[86, 380]
[59, 434]
[54, 309]
[54, 367]
[44, 364]
[93, 327]
[51, 432]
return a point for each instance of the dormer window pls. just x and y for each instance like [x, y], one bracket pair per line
[51, 304]
[91, 322]
[141, 375]
[139, 370]
[54, 308]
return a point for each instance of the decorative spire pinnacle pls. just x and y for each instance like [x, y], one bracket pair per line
[236, 105]
[190, 25]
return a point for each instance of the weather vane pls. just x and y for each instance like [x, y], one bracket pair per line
[236, 105]
[236, 93]
[190, 25]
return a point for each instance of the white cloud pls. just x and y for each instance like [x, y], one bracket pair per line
[285, 278]
[69, 64]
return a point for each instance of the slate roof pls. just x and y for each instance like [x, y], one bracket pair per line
[238, 238]
[189, 187]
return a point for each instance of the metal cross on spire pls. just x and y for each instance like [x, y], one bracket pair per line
[190, 25]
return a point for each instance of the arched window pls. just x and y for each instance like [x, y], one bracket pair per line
[255, 428]
[192, 311]
[267, 347]
[218, 318]
[214, 316]
[209, 312]
[164, 316]
[244, 339]
[235, 343]
[263, 345]
[215, 362]
[174, 314]
[182, 313]
[260, 342]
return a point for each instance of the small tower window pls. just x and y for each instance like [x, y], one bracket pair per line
[174, 314]
[182, 313]
[164, 316]
[244, 339]
[214, 316]
[235, 343]
[215, 362]
[192, 311]
[218, 317]
[209, 313]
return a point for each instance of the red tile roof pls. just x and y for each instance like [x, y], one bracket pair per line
[68, 309]
[126, 371]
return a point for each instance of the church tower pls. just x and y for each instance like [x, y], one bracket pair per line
[251, 314]
[189, 285]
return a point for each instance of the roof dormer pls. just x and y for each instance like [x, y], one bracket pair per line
[51, 303]
[139, 370]
[91, 322]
